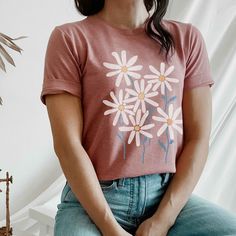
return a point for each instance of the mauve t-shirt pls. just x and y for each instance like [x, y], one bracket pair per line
[131, 96]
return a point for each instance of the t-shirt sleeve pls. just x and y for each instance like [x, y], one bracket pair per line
[62, 71]
[198, 71]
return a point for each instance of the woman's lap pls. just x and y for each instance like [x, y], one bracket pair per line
[205, 218]
[133, 200]
[122, 196]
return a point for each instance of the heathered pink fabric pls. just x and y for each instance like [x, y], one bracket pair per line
[131, 96]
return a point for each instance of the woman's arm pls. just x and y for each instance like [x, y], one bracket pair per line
[66, 118]
[197, 115]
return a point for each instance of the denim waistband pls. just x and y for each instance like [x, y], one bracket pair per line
[165, 177]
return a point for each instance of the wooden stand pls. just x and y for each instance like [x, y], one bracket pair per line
[6, 230]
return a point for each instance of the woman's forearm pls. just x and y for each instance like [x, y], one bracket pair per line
[189, 167]
[82, 178]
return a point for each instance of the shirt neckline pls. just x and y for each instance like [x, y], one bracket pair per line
[138, 30]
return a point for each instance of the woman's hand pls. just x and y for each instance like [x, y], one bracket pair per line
[121, 233]
[152, 227]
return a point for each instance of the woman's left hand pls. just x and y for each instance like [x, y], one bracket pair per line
[151, 227]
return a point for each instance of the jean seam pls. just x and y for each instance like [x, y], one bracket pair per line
[131, 198]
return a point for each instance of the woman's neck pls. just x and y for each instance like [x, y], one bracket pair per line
[124, 13]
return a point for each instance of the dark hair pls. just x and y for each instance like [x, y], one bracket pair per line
[163, 37]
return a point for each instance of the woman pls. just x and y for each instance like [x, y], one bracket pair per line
[129, 102]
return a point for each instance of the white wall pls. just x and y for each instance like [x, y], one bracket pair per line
[25, 139]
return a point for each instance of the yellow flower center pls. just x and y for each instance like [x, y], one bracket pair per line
[169, 121]
[121, 107]
[137, 128]
[124, 69]
[162, 78]
[141, 96]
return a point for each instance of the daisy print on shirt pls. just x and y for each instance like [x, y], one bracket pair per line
[119, 107]
[160, 78]
[168, 116]
[124, 70]
[141, 95]
[134, 108]
[137, 127]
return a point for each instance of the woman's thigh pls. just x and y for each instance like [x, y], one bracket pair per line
[73, 221]
[71, 218]
[203, 217]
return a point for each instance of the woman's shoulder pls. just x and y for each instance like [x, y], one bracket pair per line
[184, 30]
[73, 27]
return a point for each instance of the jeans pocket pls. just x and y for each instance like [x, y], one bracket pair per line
[64, 192]
[108, 184]
[68, 195]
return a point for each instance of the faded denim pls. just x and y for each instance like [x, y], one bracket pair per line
[132, 200]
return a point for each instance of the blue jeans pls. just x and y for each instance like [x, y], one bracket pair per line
[132, 200]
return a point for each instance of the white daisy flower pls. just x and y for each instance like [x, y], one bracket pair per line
[119, 107]
[137, 127]
[141, 95]
[123, 69]
[169, 120]
[161, 78]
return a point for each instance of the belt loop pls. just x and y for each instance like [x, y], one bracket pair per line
[164, 177]
[121, 181]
